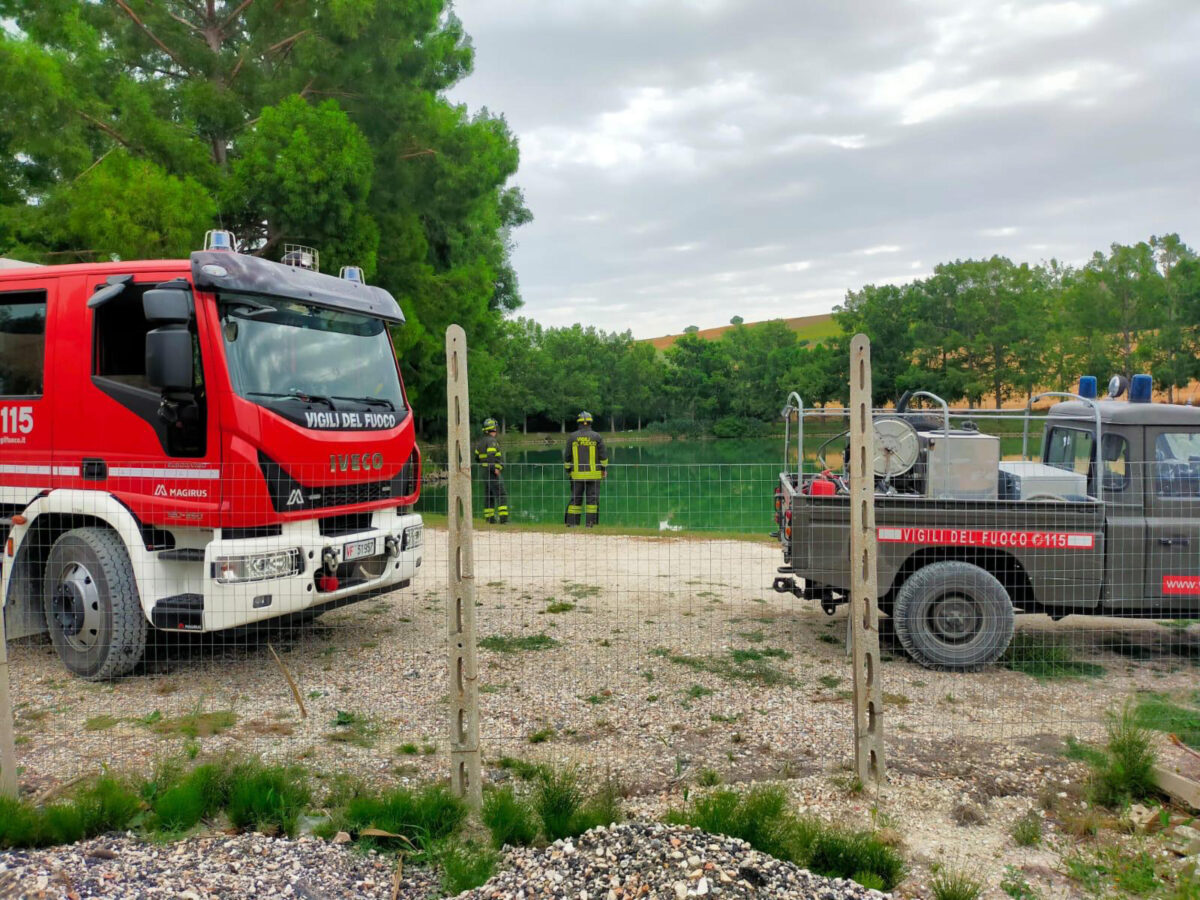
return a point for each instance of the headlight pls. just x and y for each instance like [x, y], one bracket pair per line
[259, 567]
[413, 536]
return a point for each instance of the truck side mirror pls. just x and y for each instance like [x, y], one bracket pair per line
[169, 358]
[167, 306]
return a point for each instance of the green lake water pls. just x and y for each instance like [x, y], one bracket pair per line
[692, 485]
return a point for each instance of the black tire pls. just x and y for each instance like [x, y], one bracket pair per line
[953, 615]
[92, 605]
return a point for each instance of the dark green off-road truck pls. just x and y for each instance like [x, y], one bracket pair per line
[966, 540]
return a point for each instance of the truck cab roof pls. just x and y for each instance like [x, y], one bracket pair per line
[1122, 412]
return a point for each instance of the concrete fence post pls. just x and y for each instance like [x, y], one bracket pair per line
[864, 596]
[465, 771]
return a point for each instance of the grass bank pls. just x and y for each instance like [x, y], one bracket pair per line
[438, 520]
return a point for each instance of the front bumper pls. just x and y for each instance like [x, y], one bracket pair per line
[229, 601]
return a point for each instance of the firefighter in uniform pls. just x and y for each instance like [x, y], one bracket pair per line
[487, 452]
[586, 461]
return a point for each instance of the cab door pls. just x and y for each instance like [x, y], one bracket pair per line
[27, 391]
[158, 452]
[1173, 521]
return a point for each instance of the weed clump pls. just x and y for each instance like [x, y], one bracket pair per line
[1027, 831]
[955, 884]
[268, 799]
[102, 806]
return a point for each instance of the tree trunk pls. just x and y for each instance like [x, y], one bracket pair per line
[639, 423]
[525, 424]
[562, 425]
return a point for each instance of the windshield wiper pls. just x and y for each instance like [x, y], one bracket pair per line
[294, 395]
[369, 401]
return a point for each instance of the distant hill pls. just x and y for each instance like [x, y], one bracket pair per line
[808, 328]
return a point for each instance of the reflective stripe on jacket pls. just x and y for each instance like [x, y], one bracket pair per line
[488, 453]
[585, 457]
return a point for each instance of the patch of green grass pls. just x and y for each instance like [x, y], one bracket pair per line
[696, 691]
[826, 638]
[724, 719]
[708, 778]
[900, 700]
[955, 884]
[830, 681]
[100, 723]
[744, 656]
[465, 866]
[510, 818]
[559, 606]
[1027, 830]
[734, 666]
[180, 803]
[1158, 712]
[503, 643]
[1109, 870]
[408, 750]
[541, 735]
[196, 724]
[1046, 659]
[761, 818]
[422, 818]
[267, 798]
[557, 798]
[356, 729]
[582, 591]
[754, 637]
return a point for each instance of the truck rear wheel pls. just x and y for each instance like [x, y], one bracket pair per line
[953, 615]
[92, 606]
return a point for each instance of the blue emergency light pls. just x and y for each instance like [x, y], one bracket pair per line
[353, 273]
[1140, 389]
[1087, 387]
[222, 241]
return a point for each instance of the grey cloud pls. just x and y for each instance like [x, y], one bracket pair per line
[681, 158]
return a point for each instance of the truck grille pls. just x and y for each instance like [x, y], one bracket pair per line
[289, 495]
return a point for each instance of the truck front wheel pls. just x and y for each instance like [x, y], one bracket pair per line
[953, 615]
[92, 607]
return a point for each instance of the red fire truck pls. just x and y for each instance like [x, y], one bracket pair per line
[197, 445]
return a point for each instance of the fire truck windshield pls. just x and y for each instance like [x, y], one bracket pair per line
[323, 368]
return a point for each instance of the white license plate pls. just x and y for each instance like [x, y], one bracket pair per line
[413, 536]
[358, 549]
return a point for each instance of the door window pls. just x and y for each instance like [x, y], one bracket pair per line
[22, 343]
[1177, 464]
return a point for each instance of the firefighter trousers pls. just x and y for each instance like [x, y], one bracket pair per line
[585, 500]
[495, 498]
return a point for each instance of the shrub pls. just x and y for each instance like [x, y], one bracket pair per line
[20, 825]
[842, 854]
[1127, 770]
[511, 820]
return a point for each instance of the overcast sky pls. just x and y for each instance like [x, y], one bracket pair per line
[691, 160]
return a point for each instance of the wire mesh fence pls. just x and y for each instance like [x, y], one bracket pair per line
[662, 645]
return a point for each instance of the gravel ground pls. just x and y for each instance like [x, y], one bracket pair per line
[652, 860]
[640, 682]
[248, 865]
[624, 861]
